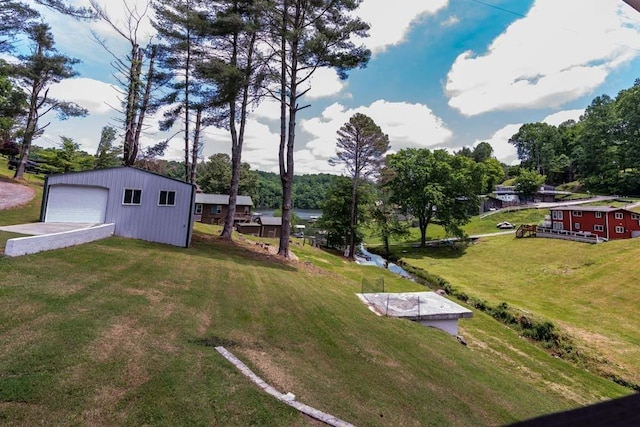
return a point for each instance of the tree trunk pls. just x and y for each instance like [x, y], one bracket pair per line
[354, 219]
[196, 146]
[29, 132]
[285, 177]
[144, 105]
[187, 175]
[130, 149]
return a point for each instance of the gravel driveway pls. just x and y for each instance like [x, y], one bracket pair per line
[12, 195]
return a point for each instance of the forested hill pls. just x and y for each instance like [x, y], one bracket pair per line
[308, 190]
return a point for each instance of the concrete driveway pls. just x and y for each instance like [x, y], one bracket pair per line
[40, 228]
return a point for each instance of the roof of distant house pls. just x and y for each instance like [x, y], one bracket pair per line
[588, 208]
[222, 199]
[270, 220]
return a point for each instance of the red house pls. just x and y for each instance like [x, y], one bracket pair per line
[603, 221]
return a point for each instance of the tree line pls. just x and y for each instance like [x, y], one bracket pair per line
[384, 193]
[600, 151]
[210, 63]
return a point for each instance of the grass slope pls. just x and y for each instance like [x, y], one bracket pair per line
[121, 332]
[589, 291]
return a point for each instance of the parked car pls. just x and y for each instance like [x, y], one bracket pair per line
[31, 166]
[505, 225]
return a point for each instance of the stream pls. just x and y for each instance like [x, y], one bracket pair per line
[368, 258]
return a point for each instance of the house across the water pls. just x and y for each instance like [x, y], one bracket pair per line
[213, 208]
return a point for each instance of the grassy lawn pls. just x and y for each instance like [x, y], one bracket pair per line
[122, 332]
[589, 291]
[479, 224]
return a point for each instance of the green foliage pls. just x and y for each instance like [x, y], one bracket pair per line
[13, 105]
[214, 176]
[107, 154]
[308, 190]
[67, 158]
[528, 182]
[37, 71]
[434, 187]
[336, 211]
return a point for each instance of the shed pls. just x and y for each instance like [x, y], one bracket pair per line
[252, 228]
[142, 205]
[271, 226]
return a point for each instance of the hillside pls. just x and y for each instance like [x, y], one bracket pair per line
[589, 292]
[122, 332]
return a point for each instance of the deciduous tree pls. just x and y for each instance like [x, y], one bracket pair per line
[434, 187]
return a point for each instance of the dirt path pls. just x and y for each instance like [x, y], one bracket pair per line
[12, 195]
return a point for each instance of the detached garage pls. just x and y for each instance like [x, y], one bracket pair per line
[142, 205]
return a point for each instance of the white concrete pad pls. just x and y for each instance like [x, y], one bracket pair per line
[416, 305]
[40, 228]
[427, 308]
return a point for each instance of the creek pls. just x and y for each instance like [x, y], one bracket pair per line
[369, 258]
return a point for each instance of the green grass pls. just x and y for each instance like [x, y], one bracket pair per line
[122, 332]
[589, 291]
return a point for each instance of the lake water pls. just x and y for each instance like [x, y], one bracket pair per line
[303, 214]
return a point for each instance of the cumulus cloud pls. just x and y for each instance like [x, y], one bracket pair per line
[506, 152]
[560, 117]
[557, 53]
[96, 96]
[408, 125]
[390, 27]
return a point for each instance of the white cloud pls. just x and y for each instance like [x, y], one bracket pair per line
[506, 152]
[324, 82]
[451, 21]
[408, 125]
[502, 150]
[96, 96]
[557, 53]
[391, 23]
[560, 117]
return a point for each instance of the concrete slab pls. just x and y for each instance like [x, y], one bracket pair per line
[427, 308]
[46, 242]
[40, 228]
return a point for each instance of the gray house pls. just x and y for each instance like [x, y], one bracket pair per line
[142, 205]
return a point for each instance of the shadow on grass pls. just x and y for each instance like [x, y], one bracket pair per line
[216, 341]
[436, 252]
[210, 247]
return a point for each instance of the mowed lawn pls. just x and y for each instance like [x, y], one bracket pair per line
[121, 332]
[589, 291]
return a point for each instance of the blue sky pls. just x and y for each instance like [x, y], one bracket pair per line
[444, 74]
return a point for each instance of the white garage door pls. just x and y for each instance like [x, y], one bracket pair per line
[76, 203]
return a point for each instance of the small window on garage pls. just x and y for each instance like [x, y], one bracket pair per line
[132, 196]
[167, 198]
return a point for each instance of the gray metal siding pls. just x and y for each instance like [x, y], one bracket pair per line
[147, 221]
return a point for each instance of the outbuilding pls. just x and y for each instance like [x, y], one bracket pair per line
[142, 205]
